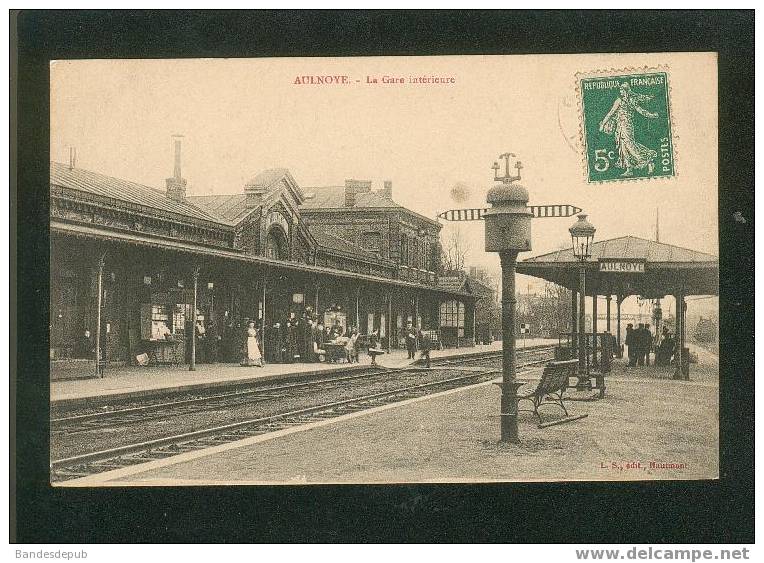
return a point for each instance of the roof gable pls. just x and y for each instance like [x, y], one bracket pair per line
[268, 188]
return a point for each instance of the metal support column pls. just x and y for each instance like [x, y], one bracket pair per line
[679, 330]
[685, 364]
[194, 305]
[573, 324]
[474, 324]
[99, 305]
[618, 301]
[583, 376]
[263, 323]
[508, 385]
[607, 312]
[357, 308]
[595, 331]
[388, 321]
[682, 368]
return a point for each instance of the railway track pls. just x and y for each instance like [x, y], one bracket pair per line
[94, 462]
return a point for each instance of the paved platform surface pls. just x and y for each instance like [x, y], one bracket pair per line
[135, 381]
[453, 437]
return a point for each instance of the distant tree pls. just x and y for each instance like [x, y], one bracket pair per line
[547, 313]
[453, 252]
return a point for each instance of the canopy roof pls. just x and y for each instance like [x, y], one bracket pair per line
[630, 266]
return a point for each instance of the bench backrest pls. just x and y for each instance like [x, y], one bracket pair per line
[555, 376]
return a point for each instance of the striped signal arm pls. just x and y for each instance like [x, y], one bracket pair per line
[539, 211]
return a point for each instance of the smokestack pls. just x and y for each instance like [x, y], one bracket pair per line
[177, 175]
[176, 186]
[72, 157]
[387, 191]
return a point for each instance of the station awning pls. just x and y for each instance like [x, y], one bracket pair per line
[630, 266]
[202, 251]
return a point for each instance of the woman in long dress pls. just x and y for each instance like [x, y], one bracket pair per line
[253, 350]
[619, 122]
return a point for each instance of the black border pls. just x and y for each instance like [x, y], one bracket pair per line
[686, 512]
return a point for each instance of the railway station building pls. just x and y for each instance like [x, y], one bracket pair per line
[274, 252]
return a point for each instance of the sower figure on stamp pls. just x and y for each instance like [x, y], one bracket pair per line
[619, 122]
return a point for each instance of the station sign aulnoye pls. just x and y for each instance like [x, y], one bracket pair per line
[622, 267]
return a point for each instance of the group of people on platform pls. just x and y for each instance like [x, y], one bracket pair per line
[299, 338]
[640, 343]
[296, 337]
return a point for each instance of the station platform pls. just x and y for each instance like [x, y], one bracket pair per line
[134, 381]
[645, 429]
[700, 358]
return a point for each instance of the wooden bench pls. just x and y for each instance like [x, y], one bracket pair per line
[550, 389]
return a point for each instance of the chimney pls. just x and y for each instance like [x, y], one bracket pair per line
[176, 186]
[72, 157]
[353, 188]
[387, 191]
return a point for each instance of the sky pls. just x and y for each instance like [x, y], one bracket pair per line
[241, 116]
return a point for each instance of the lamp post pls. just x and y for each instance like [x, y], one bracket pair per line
[582, 235]
[508, 232]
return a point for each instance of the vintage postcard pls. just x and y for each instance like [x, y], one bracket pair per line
[384, 270]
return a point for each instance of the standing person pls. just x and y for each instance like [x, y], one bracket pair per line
[373, 343]
[410, 340]
[425, 344]
[648, 344]
[319, 354]
[665, 349]
[292, 339]
[307, 335]
[254, 358]
[631, 344]
[201, 340]
[640, 344]
[350, 349]
[213, 340]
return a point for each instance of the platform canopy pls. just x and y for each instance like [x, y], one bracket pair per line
[630, 266]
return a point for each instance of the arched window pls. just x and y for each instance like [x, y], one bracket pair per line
[276, 245]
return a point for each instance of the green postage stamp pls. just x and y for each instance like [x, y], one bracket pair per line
[627, 126]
